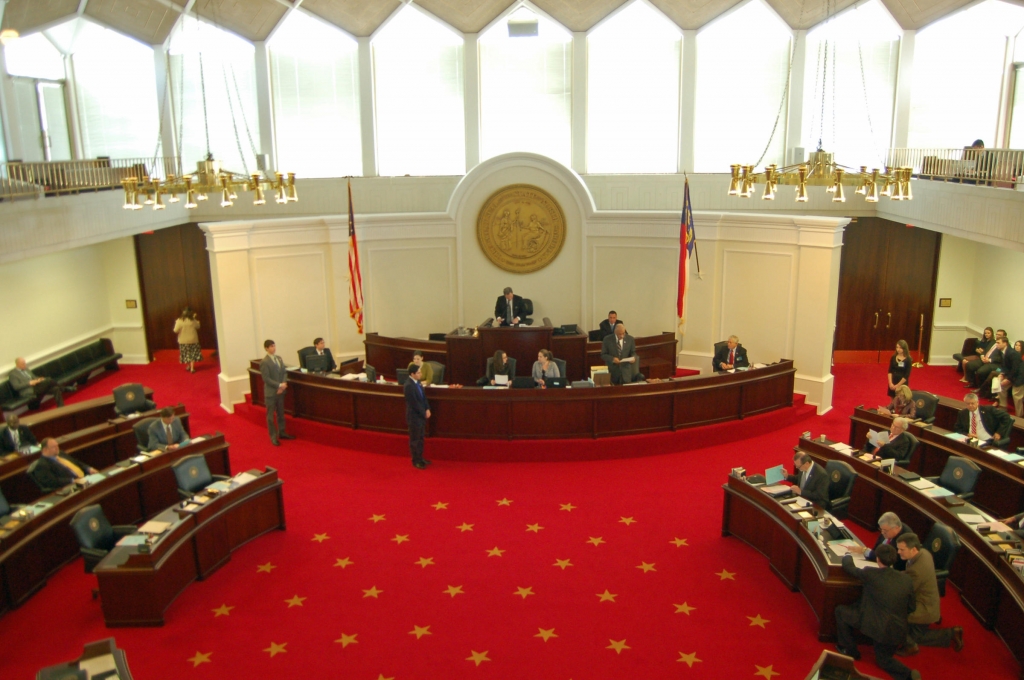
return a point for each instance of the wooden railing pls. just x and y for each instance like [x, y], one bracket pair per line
[36, 179]
[1002, 168]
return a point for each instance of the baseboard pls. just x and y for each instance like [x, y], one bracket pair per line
[232, 390]
[135, 359]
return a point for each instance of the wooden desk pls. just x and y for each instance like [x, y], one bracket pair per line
[988, 586]
[474, 412]
[31, 552]
[387, 355]
[794, 555]
[949, 409]
[136, 588]
[57, 421]
[657, 355]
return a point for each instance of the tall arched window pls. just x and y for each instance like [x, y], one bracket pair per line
[418, 78]
[850, 85]
[742, 69]
[526, 88]
[33, 56]
[633, 92]
[955, 98]
[39, 99]
[314, 74]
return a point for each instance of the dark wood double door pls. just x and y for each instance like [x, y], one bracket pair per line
[886, 290]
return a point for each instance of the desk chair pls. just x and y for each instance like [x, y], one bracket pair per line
[527, 311]
[914, 443]
[561, 367]
[438, 368]
[96, 537]
[510, 363]
[131, 398]
[841, 477]
[141, 429]
[926, 403]
[943, 544]
[305, 352]
[31, 472]
[402, 375]
[193, 474]
[6, 508]
[959, 476]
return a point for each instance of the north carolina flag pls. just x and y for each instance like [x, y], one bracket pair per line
[355, 278]
[687, 242]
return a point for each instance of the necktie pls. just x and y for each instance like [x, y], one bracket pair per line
[974, 423]
[16, 438]
[803, 479]
[732, 357]
[510, 312]
[168, 433]
[620, 346]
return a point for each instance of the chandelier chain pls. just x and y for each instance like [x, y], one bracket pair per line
[241, 109]
[234, 123]
[867, 106]
[782, 105]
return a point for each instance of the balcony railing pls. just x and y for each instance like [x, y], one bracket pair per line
[988, 167]
[33, 180]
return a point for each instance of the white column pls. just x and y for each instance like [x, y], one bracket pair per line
[367, 117]
[471, 99]
[687, 101]
[1002, 132]
[8, 110]
[165, 103]
[71, 98]
[579, 102]
[797, 82]
[265, 106]
[901, 110]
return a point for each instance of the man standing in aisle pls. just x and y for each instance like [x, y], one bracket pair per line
[275, 382]
[417, 410]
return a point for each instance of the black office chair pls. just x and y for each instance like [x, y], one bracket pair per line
[841, 477]
[943, 544]
[193, 474]
[914, 443]
[131, 398]
[561, 367]
[527, 311]
[6, 508]
[959, 476]
[438, 368]
[96, 537]
[510, 363]
[305, 352]
[141, 429]
[33, 475]
[547, 322]
[926, 403]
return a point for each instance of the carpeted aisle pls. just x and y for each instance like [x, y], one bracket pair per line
[607, 568]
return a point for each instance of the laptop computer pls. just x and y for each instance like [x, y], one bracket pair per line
[554, 382]
[594, 336]
[523, 382]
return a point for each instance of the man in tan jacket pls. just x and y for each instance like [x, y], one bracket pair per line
[921, 568]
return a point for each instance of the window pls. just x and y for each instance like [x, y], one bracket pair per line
[526, 89]
[633, 92]
[420, 112]
[33, 56]
[314, 72]
[40, 107]
[742, 70]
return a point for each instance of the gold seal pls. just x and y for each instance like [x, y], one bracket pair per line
[836, 476]
[94, 524]
[521, 228]
[958, 473]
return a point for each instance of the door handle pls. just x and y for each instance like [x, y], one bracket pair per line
[889, 322]
[876, 320]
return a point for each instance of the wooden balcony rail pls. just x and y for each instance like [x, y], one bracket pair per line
[1001, 168]
[36, 179]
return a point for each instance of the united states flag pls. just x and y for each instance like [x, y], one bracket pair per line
[355, 277]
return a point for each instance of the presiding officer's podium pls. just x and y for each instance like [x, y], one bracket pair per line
[468, 354]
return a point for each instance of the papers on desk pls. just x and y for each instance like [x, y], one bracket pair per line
[803, 514]
[220, 486]
[1012, 457]
[358, 377]
[862, 563]
[243, 478]
[971, 518]
[777, 490]
[141, 458]
[841, 547]
[878, 438]
[842, 448]
[152, 527]
[438, 386]
[994, 527]
[92, 479]
[114, 470]
[759, 366]
[921, 484]
[939, 492]
[132, 539]
[191, 507]
[196, 440]
[957, 436]
[200, 499]
[133, 415]
[868, 457]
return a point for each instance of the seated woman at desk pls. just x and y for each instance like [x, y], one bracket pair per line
[545, 367]
[499, 365]
[902, 404]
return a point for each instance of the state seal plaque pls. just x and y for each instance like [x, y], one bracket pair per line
[521, 228]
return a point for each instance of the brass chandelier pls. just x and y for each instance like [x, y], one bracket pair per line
[208, 179]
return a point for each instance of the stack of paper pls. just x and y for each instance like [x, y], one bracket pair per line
[971, 518]
[938, 492]
[922, 484]
[132, 539]
[1012, 457]
[957, 436]
[153, 527]
[842, 448]
[244, 478]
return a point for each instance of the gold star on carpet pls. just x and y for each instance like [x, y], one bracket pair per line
[420, 632]
[375, 519]
[725, 574]
[524, 592]
[464, 527]
[222, 610]
[494, 552]
[200, 658]
[268, 567]
[506, 502]
[562, 563]
[372, 592]
[596, 541]
[646, 567]
[546, 634]
[618, 646]
[766, 671]
[535, 528]
[276, 649]
[296, 601]
[678, 543]
[478, 657]
[758, 621]
[568, 507]
[606, 596]
[347, 640]
[380, 676]
[439, 506]
[400, 538]
[454, 590]
[320, 538]
[343, 562]
[424, 561]
[683, 608]
[627, 521]
[688, 659]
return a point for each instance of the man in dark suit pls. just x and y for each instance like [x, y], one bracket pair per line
[618, 351]
[899, 444]
[54, 469]
[16, 436]
[811, 480]
[730, 355]
[509, 309]
[986, 423]
[890, 528]
[983, 376]
[880, 613]
[318, 345]
[275, 382]
[417, 410]
[609, 324]
[921, 569]
[1012, 381]
[27, 384]
[167, 434]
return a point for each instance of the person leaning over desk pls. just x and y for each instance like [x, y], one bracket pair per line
[545, 367]
[921, 569]
[811, 482]
[499, 365]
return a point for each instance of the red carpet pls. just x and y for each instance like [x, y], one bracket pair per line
[388, 613]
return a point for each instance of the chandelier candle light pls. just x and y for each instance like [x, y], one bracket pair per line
[209, 178]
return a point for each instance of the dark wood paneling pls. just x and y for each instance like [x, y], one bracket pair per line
[861, 278]
[912, 269]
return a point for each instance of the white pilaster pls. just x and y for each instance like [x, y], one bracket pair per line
[687, 101]
[797, 82]
[1002, 132]
[264, 105]
[367, 118]
[904, 74]
[164, 100]
[579, 102]
[471, 99]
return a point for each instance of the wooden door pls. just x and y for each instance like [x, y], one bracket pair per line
[859, 315]
[911, 271]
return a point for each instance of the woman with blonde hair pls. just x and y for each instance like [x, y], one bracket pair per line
[187, 329]
[902, 404]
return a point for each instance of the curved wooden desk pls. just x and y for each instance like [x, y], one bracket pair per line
[474, 412]
[64, 419]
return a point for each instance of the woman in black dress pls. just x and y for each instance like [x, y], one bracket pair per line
[988, 339]
[899, 367]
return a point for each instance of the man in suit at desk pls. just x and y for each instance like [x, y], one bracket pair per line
[730, 355]
[321, 350]
[16, 436]
[167, 434]
[609, 324]
[275, 382]
[987, 424]
[890, 528]
[54, 469]
[417, 410]
[619, 354]
[899, 444]
[811, 479]
[27, 384]
[509, 309]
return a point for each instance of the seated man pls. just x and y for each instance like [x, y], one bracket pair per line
[730, 355]
[987, 424]
[991, 355]
[426, 370]
[609, 324]
[167, 434]
[618, 351]
[890, 528]
[921, 568]
[983, 376]
[16, 436]
[880, 613]
[54, 469]
[1011, 380]
[509, 309]
[318, 345]
[899, 444]
[26, 384]
[811, 481]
